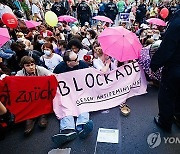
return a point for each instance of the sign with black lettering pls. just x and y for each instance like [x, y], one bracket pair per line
[28, 97]
[91, 90]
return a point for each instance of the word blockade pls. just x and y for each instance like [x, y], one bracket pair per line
[91, 90]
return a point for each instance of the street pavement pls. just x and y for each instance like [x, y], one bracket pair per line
[133, 133]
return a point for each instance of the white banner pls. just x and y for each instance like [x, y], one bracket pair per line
[88, 89]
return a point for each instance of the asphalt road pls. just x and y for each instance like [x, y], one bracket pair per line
[133, 133]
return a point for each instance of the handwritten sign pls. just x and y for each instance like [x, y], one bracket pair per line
[28, 97]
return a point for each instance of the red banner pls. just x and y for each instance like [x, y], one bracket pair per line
[28, 97]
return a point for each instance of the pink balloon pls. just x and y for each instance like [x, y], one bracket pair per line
[164, 13]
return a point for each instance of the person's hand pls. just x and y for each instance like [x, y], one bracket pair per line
[1, 60]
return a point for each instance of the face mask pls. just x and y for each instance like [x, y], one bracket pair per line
[20, 39]
[41, 41]
[155, 36]
[47, 52]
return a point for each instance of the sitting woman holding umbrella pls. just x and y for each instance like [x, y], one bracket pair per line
[102, 61]
[105, 63]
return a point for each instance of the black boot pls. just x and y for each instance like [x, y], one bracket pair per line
[8, 118]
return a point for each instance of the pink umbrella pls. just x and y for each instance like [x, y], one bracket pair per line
[120, 43]
[31, 23]
[103, 18]
[67, 18]
[156, 21]
[4, 36]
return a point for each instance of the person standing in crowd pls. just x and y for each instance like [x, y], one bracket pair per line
[4, 9]
[68, 128]
[168, 55]
[121, 7]
[58, 8]
[111, 10]
[102, 5]
[65, 3]
[36, 12]
[29, 68]
[173, 8]
[83, 13]
[141, 12]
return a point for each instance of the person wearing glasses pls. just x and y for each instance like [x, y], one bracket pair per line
[29, 68]
[68, 129]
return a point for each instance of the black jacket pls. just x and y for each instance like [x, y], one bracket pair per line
[168, 53]
[59, 9]
[111, 10]
[62, 67]
[83, 11]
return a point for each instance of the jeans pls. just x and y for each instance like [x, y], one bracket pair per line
[68, 122]
[6, 54]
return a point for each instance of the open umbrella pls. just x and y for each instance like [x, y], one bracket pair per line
[103, 18]
[31, 23]
[156, 21]
[120, 43]
[4, 36]
[67, 18]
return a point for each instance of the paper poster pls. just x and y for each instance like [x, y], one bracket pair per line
[108, 135]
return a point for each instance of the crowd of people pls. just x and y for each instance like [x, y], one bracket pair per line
[45, 50]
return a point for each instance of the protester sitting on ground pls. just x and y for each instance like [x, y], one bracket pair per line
[20, 51]
[29, 68]
[102, 62]
[50, 58]
[38, 42]
[21, 38]
[44, 32]
[143, 36]
[76, 46]
[53, 41]
[62, 44]
[156, 35]
[90, 38]
[68, 128]
[3, 68]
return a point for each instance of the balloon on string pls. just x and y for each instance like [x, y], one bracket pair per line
[51, 18]
[9, 20]
[164, 13]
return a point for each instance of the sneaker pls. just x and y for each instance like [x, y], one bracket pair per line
[42, 122]
[29, 126]
[65, 136]
[87, 128]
